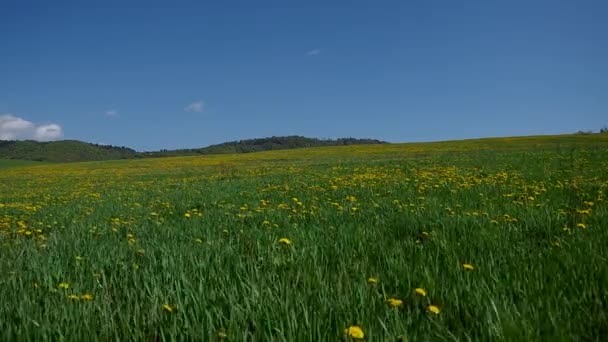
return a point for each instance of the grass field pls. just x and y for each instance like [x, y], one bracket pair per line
[496, 239]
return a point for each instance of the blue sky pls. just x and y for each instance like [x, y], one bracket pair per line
[175, 74]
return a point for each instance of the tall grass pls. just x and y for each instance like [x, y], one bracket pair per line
[188, 248]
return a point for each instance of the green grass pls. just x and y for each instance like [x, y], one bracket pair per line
[6, 163]
[409, 215]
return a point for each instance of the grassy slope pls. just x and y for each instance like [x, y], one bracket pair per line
[352, 213]
[7, 163]
[76, 151]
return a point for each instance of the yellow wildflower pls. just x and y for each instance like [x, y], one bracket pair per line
[468, 267]
[285, 241]
[581, 226]
[355, 332]
[73, 298]
[394, 302]
[372, 281]
[434, 309]
[87, 297]
[420, 292]
[63, 285]
[170, 308]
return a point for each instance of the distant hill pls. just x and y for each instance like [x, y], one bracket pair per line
[75, 151]
[62, 151]
[264, 144]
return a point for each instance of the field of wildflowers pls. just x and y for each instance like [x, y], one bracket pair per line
[498, 239]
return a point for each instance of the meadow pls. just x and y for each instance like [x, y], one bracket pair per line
[485, 240]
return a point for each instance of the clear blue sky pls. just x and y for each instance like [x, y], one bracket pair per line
[175, 74]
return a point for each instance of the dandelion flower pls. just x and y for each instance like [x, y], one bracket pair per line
[63, 286]
[87, 297]
[285, 241]
[420, 292]
[434, 309]
[581, 226]
[355, 332]
[394, 302]
[372, 281]
[468, 267]
[73, 298]
[170, 308]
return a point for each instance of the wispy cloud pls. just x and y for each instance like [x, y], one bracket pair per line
[111, 113]
[198, 107]
[313, 52]
[16, 128]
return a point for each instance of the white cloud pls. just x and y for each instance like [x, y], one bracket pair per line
[16, 128]
[313, 52]
[198, 106]
[112, 112]
[48, 132]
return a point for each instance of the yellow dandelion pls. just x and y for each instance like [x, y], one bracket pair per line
[73, 298]
[63, 285]
[355, 332]
[170, 308]
[581, 226]
[434, 309]
[187, 215]
[372, 281]
[394, 302]
[468, 267]
[420, 292]
[87, 297]
[285, 241]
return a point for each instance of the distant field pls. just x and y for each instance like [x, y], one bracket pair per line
[6, 163]
[492, 239]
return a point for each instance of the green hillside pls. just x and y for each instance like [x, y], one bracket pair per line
[264, 144]
[78, 151]
[62, 151]
[8, 163]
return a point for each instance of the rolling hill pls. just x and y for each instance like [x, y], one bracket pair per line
[78, 151]
[62, 151]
